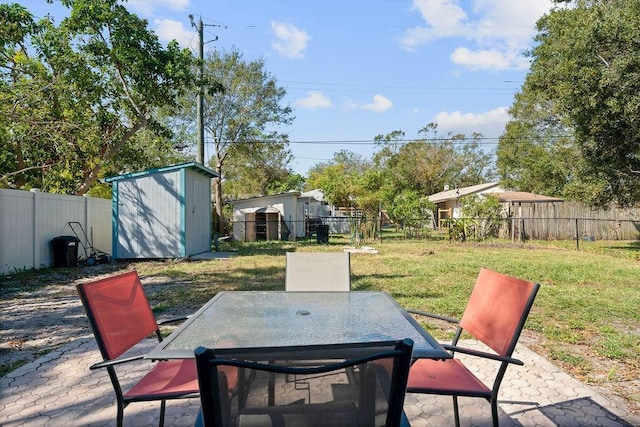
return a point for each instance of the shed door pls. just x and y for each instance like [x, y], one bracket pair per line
[129, 235]
[198, 232]
[250, 227]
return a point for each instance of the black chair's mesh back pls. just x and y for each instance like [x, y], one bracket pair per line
[358, 395]
[347, 397]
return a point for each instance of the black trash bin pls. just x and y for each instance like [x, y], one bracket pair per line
[322, 234]
[65, 251]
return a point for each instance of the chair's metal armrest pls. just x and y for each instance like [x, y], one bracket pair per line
[107, 363]
[173, 320]
[482, 354]
[433, 315]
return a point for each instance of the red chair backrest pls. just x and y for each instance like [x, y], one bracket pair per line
[119, 312]
[497, 310]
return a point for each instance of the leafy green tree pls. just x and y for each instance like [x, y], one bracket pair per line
[484, 214]
[293, 181]
[411, 211]
[338, 177]
[415, 169]
[430, 162]
[536, 152]
[349, 181]
[259, 171]
[244, 118]
[586, 72]
[402, 174]
[336, 182]
[75, 96]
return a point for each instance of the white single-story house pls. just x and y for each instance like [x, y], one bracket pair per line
[449, 205]
[283, 216]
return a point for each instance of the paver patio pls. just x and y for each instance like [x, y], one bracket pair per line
[59, 390]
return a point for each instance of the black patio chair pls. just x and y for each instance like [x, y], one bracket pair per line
[371, 394]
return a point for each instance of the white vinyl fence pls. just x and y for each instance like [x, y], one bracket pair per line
[29, 220]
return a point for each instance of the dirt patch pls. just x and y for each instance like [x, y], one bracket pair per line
[41, 312]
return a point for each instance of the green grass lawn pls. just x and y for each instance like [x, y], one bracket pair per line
[586, 316]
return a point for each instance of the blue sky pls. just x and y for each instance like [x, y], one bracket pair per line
[354, 69]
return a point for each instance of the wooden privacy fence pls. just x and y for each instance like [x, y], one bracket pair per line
[571, 220]
[570, 229]
[29, 220]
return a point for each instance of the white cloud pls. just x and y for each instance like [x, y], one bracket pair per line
[168, 29]
[481, 59]
[444, 18]
[378, 104]
[490, 123]
[148, 7]
[497, 31]
[442, 13]
[351, 105]
[290, 41]
[313, 100]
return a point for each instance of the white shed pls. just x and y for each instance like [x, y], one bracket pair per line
[273, 217]
[162, 213]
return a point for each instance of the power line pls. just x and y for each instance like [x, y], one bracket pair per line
[468, 140]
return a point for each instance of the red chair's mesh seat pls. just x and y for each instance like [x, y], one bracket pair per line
[444, 377]
[174, 378]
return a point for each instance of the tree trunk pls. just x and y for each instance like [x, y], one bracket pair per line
[217, 192]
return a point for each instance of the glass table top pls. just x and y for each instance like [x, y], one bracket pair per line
[236, 320]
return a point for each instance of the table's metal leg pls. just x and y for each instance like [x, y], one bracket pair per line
[272, 387]
[272, 390]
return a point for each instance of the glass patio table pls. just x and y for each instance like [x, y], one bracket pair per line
[238, 324]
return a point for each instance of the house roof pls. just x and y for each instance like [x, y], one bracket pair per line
[522, 196]
[456, 193]
[191, 165]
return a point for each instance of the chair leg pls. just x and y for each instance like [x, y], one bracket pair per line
[456, 413]
[120, 418]
[163, 405]
[494, 411]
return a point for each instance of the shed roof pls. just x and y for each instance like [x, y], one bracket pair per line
[191, 165]
[288, 193]
[456, 193]
[316, 194]
[267, 209]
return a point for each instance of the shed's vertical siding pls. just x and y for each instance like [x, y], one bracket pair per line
[149, 216]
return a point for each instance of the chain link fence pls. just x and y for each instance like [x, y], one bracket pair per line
[514, 229]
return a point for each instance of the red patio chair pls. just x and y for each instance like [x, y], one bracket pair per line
[121, 317]
[495, 315]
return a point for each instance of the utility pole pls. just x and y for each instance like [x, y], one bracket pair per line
[200, 98]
